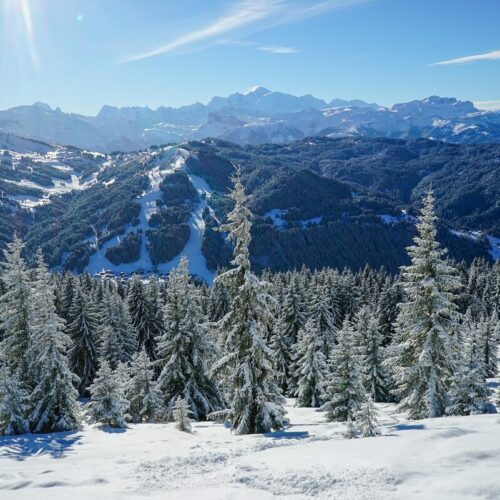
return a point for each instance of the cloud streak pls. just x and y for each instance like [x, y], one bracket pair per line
[247, 16]
[488, 56]
[278, 49]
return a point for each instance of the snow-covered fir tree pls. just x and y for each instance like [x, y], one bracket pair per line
[367, 419]
[488, 329]
[16, 313]
[424, 356]
[469, 392]
[256, 404]
[181, 413]
[345, 391]
[143, 316]
[83, 330]
[118, 340]
[280, 344]
[370, 343]
[108, 405]
[322, 314]
[14, 404]
[311, 369]
[53, 402]
[142, 392]
[184, 350]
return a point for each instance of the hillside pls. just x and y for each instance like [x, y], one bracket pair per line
[318, 202]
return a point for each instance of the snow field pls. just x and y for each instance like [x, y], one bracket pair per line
[445, 458]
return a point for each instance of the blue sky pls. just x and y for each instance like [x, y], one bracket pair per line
[81, 54]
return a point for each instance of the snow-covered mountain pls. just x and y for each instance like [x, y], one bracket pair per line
[254, 117]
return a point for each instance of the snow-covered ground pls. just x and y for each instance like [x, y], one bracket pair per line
[445, 458]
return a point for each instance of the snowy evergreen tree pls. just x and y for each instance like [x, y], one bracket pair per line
[469, 392]
[14, 404]
[280, 344]
[181, 414]
[426, 344]
[53, 402]
[322, 316]
[488, 331]
[256, 404]
[118, 340]
[142, 392]
[311, 369]
[83, 331]
[16, 310]
[370, 344]
[143, 316]
[345, 391]
[108, 405]
[367, 419]
[184, 349]
[351, 431]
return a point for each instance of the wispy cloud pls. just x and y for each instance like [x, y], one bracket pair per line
[278, 49]
[488, 56]
[245, 17]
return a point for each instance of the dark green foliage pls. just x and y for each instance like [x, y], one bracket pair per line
[128, 250]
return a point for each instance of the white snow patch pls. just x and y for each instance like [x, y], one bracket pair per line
[445, 458]
[276, 215]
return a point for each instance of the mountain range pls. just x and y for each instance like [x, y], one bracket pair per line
[256, 117]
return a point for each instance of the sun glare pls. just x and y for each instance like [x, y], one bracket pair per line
[18, 18]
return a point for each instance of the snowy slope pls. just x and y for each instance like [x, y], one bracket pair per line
[446, 458]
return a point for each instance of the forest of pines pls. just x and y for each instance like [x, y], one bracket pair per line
[114, 351]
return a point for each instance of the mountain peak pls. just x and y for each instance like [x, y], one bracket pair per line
[42, 105]
[257, 90]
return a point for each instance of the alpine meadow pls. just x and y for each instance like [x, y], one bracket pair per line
[210, 289]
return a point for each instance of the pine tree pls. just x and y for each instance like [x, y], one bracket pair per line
[118, 341]
[255, 400]
[184, 349]
[14, 404]
[370, 343]
[351, 431]
[469, 392]
[345, 391]
[311, 369]
[367, 419]
[54, 406]
[16, 311]
[143, 316]
[108, 405]
[280, 344]
[488, 330]
[181, 414]
[83, 331]
[323, 317]
[426, 344]
[142, 391]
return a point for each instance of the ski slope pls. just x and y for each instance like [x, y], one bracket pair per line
[197, 265]
[446, 458]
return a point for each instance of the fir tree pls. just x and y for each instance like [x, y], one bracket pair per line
[14, 404]
[311, 369]
[143, 316]
[488, 331]
[181, 414]
[83, 331]
[16, 310]
[142, 391]
[345, 390]
[469, 392]
[426, 345]
[54, 406]
[255, 400]
[370, 343]
[184, 349]
[118, 340]
[367, 419]
[108, 405]
[280, 344]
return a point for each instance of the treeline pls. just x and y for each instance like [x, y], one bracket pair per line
[148, 351]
